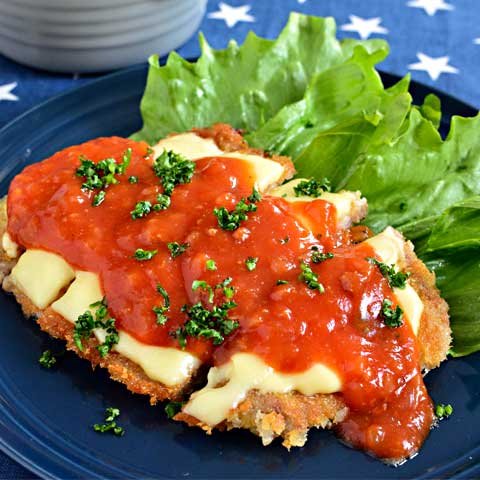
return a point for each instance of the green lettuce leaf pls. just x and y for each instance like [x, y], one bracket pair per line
[453, 253]
[321, 101]
[243, 86]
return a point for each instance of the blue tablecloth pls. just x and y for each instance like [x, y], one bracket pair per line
[438, 41]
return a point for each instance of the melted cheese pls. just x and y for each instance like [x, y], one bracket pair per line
[350, 206]
[189, 145]
[266, 172]
[9, 246]
[389, 246]
[41, 276]
[229, 384]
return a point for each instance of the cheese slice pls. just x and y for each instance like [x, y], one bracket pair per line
[189, 145]
[389, 246]
[266, 172]
[350, 206]
[229, 384]
[9, 246]
[41, 276]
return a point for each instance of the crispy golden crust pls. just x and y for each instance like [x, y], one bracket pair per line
[230, 140]
[291, 415]
[267, 415]
[286, 415]
[434, 335]
[120, 368]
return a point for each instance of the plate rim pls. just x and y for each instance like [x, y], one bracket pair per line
[460, 468]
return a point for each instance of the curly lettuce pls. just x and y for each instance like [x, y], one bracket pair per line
[321, 102]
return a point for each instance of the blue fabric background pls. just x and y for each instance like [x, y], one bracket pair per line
[447, 33]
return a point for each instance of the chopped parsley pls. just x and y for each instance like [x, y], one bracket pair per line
[251, 263]
[395, 279]
[285, 240]
[133, 179]
[255, 196]
[47, 359]
[172, 408]
[228, 290]
[282, 282]
[230, 220]
[310, 278]
[142, 209]
[98, 198]
[443, 411]
[160, 311]
[141, 255]
[319, 257]
[176, 248]
[86, 323]
[173, 169]
[102, 174]
[392, 317]
[312, 187]
[163, 202]
[211, 265]
[110, 425]
[202, 322]
[204, 286]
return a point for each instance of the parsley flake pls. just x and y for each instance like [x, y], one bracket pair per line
[319, 257]
[443, 411]
[204, 286]
[172, 408]
[160, 311]
[132, 179]
[176, 248]
[282, 282]
[110, 425]
[86, 323]
[285, 240]
[163, 202]
[230, 220]
[392, 317]
[312, 187]
[142, 209]
[310, 278]
[141, 255]
[395, 279]
[102, 174]
[251, 263]
[173, 169]
[47, 359]
[255, 196]
[211, 265]
[202, 322]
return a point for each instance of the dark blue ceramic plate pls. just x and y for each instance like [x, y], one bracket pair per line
[46, 416]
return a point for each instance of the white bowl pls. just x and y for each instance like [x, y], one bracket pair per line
[68, 40]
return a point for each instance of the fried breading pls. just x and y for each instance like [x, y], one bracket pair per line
[291, 415]
[268, 415]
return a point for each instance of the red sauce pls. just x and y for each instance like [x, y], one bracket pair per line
[290, 326]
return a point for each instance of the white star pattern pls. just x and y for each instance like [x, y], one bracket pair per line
[434, 66]
[301, 1]
[232, 15]
[430, 6]
[364, 26]
[476, 41]
[6, 92]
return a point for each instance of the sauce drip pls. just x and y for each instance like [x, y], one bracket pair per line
[288, 325]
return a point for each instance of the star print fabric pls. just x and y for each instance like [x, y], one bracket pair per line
[437, 41]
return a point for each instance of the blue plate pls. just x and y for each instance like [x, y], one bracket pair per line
[46, 416]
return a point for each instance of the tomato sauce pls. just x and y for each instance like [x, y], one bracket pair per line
[288, 325]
